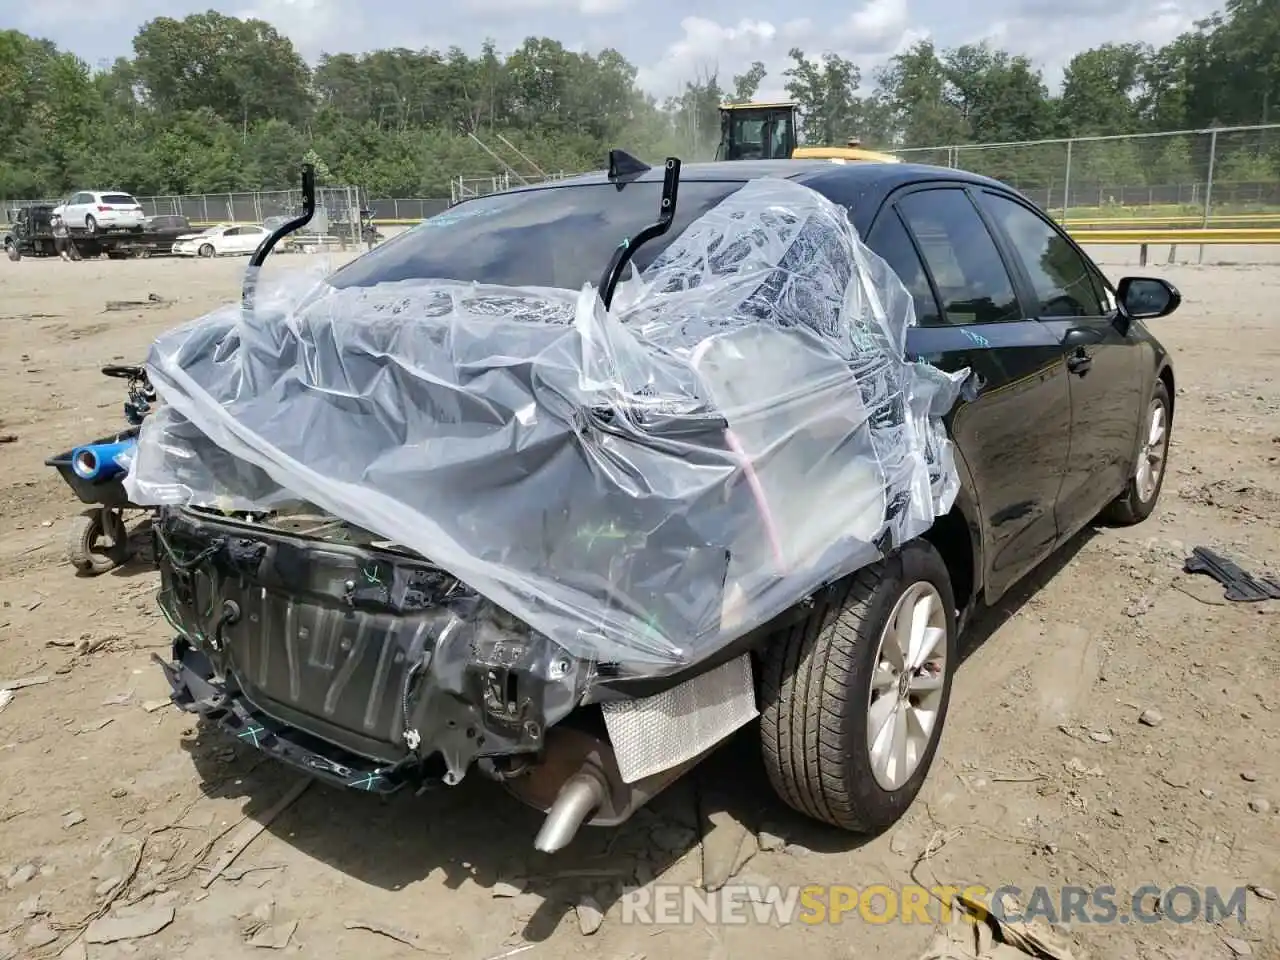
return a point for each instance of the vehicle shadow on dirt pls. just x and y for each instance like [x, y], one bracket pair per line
[475, 832]
[986, 621]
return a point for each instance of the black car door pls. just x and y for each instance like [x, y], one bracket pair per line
[1067, 294]
[1012, 437]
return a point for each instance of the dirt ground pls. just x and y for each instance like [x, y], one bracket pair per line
[110, 800]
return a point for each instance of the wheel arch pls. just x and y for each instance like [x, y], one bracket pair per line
[1165, 374]
[958, 536]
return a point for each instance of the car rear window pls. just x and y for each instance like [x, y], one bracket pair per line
[123, 199]
[553, 237]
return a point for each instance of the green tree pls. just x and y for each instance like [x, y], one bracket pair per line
[746, 84]
[1101, 90]
[826, 91]
[919, 99]
[241, 70]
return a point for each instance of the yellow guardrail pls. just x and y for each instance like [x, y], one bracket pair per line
[1241, 235]
[1190, 221]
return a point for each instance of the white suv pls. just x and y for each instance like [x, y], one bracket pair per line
[95, 209]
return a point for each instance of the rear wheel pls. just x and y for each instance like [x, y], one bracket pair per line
[90, 223]
[206, 250]
[1139, 498]
[855, 696]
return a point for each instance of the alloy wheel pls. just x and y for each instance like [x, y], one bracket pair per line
[1151, 459]
[906, 689]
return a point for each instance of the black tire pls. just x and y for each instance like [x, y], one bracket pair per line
[816, 690]
[85, 548]
[90, 224]
[11, 251]
[206, 250]
[1130, 508]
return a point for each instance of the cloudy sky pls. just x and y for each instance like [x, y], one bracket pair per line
[664, 38]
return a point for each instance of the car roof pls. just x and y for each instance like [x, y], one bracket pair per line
[862, 186]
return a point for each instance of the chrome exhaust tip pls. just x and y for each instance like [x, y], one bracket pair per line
[581, 796]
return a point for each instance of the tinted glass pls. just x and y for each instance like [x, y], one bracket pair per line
[1057, 272]
[890, 240]
[1103, 289]
[970, 276]
[554, 237]
[123, 199]
[748, 139]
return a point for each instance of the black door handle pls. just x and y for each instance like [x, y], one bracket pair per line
[1079, 362]
[1081, 336]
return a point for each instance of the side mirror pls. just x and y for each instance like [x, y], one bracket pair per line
[1147, 298]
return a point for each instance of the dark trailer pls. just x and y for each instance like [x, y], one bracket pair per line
[31, 235]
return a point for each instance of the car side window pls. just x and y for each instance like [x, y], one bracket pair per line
[1059, 275]
[1103, 289]
[962, 257]
[891, 242]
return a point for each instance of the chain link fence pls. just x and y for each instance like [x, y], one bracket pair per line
[337, 216]
[1228, 175]
[1224, 175]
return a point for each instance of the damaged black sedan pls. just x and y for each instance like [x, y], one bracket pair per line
[489, 499]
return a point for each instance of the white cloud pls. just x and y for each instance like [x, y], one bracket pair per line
[878, 23]
[312, 25]
[588, 8]
[1035, 28]
[869, 35]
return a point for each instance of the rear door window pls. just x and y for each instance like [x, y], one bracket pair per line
[1059, 276]
[889, 239]
[551, 237]
[963, 259]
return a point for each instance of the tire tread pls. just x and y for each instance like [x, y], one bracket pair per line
[808, 683]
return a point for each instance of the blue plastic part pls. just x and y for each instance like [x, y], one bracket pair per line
[101, 461]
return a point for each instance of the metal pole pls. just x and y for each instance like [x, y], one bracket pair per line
[1208, 187]
[536, 168]
[353, 202]
[1066, 186]
[481, 145]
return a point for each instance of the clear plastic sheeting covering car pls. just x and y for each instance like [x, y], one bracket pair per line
[641, 485]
